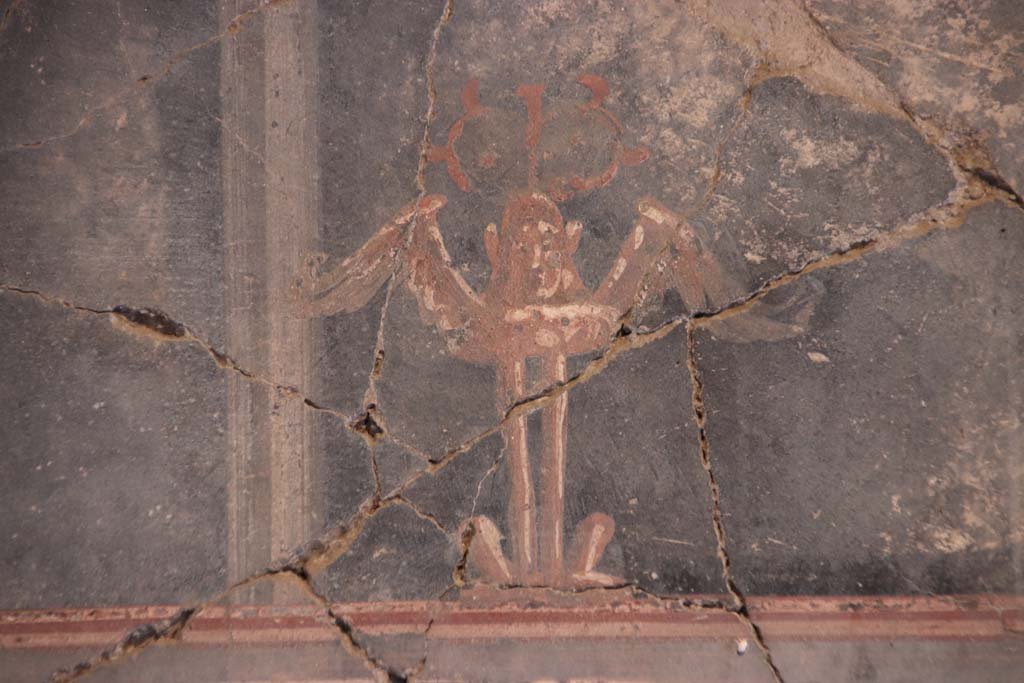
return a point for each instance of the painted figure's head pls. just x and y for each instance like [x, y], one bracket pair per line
[556, 148]
[531, 252]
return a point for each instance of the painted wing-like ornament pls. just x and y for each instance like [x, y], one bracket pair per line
[349, 285]
[693, 270]
[409, 245]
[781, 314]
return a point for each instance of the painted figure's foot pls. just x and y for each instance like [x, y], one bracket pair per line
[588, 544]
[485, 556]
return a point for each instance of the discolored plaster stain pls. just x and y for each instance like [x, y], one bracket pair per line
[959, 62]
[809, 153]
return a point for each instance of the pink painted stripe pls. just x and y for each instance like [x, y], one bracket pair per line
[802, 618]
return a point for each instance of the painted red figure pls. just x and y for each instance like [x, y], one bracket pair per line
[535, 305]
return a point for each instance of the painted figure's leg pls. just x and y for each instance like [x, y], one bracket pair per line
[552, 472]
[522, 529]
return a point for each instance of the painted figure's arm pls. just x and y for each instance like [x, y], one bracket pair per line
[446, 300]
[656, 227]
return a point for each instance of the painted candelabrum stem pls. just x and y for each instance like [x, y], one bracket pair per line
[521, 504]
[552, 475]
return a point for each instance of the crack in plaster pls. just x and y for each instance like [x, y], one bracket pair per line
[480, 484]
[326, 550]
[244, 145]
[400, 499]
[375, 471]
[150, 323]
[317, 555]
[233, 27]
[308, 563]
[347, 636]
[136, 640]
[370, 398]
[739, 601]
[459, 570]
